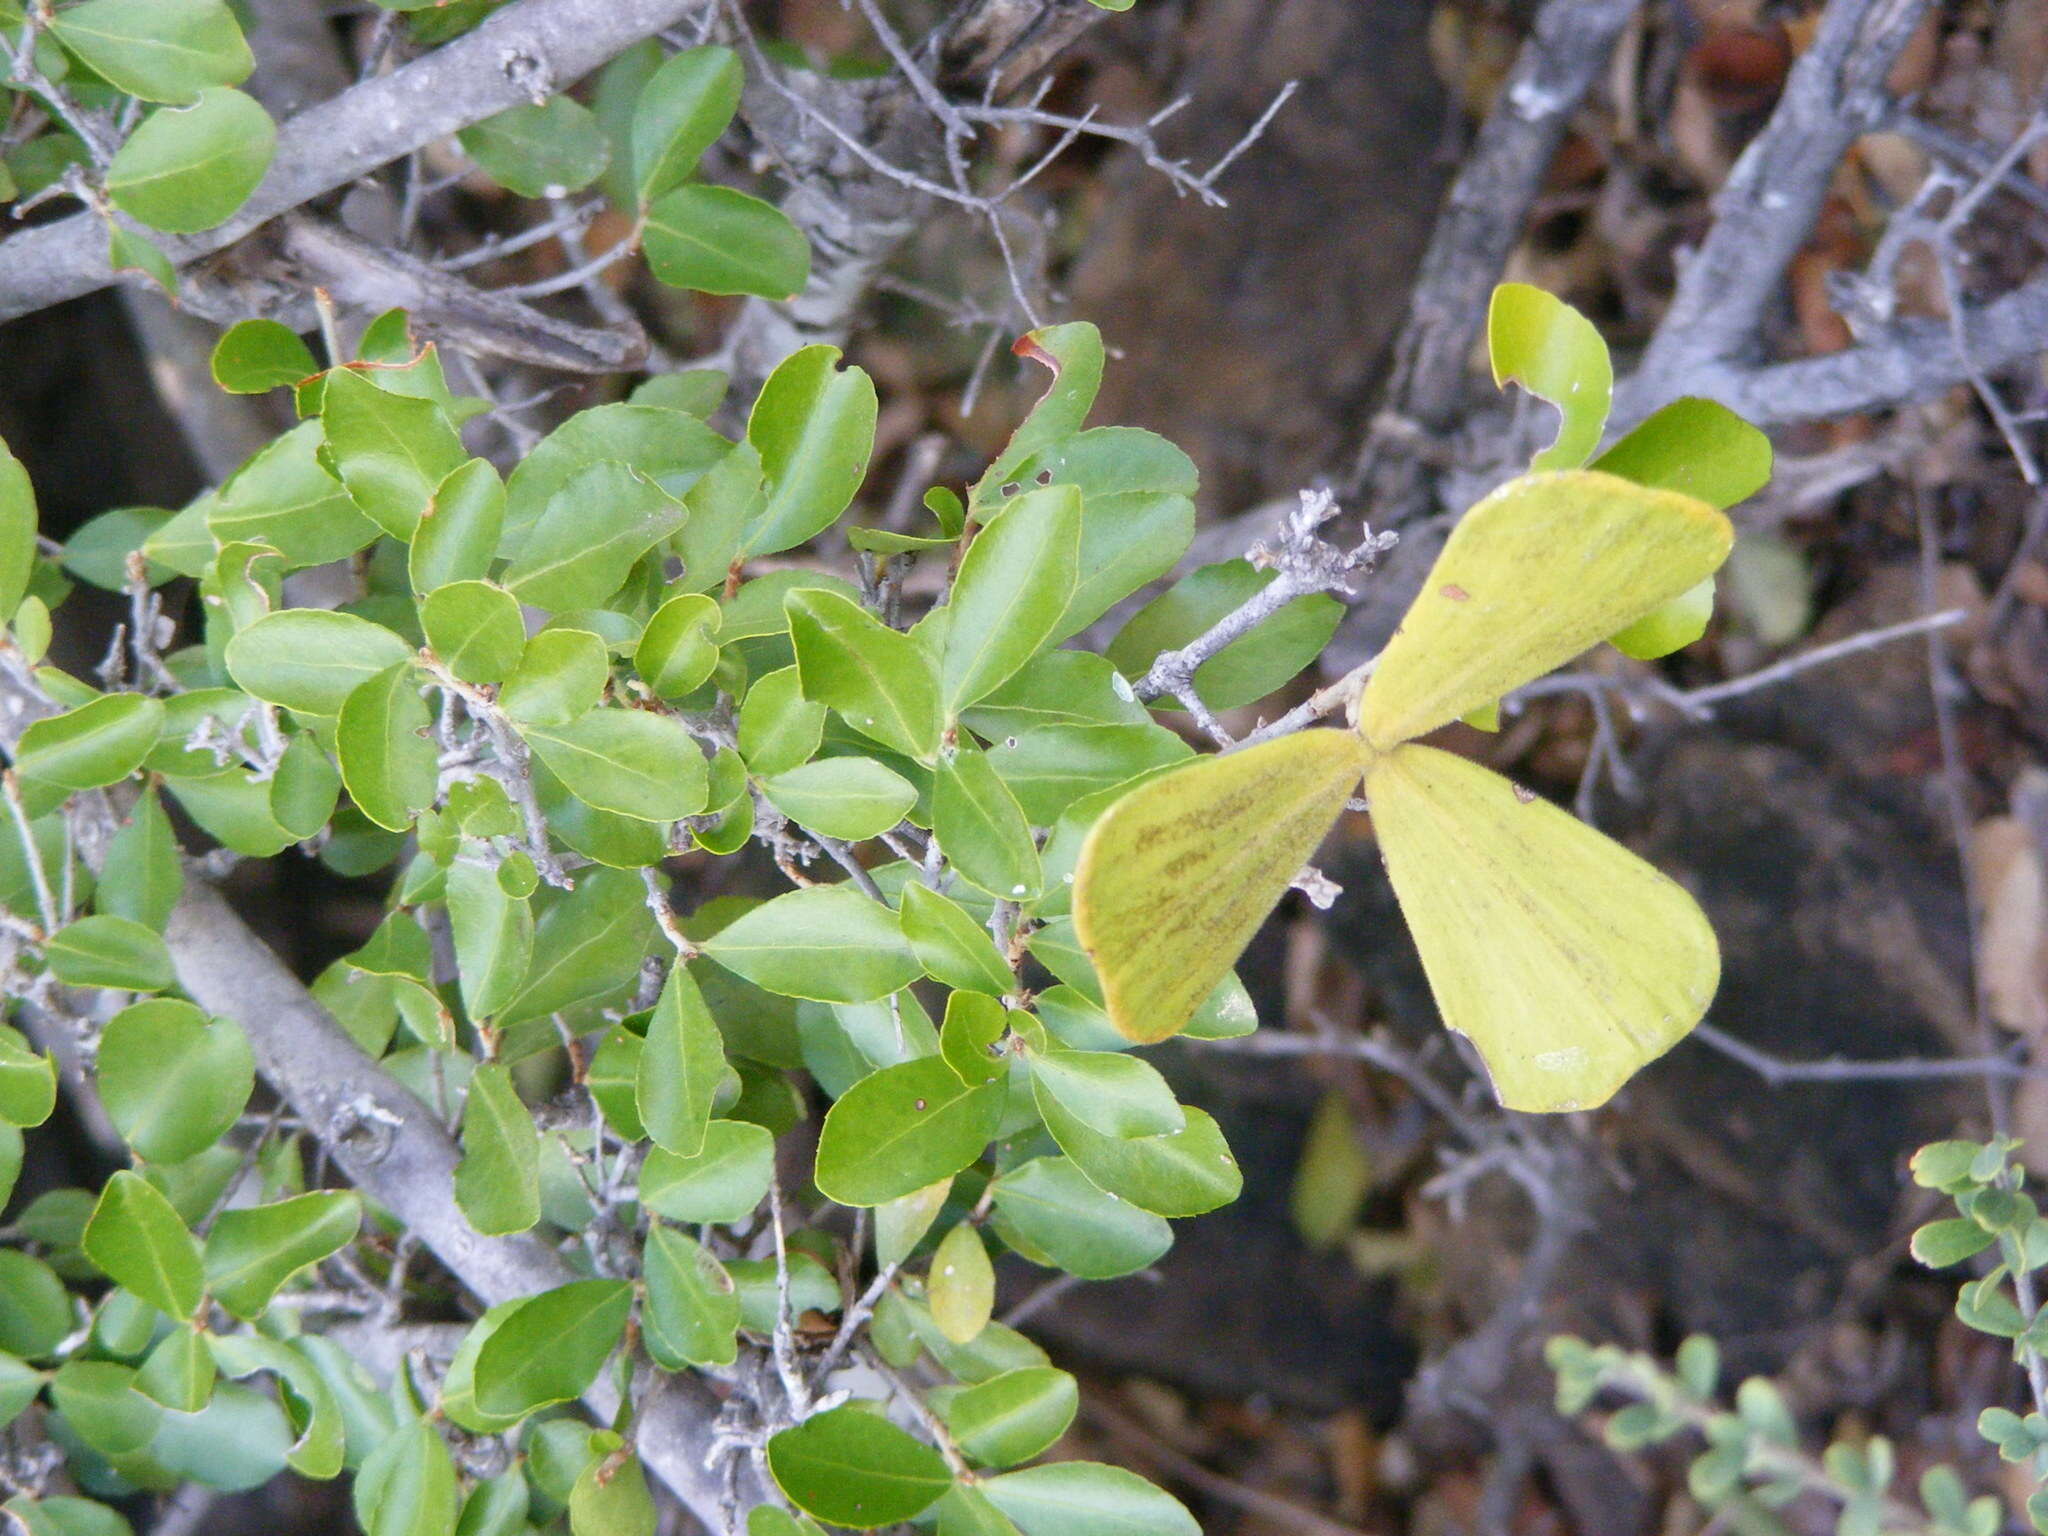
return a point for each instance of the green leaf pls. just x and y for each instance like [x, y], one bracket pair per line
[900, 1224]
[179, 1372]
[311, 659]
[550, 1347]
[1137, 513]
[964, 1512]
[1182, 1173]
[314, 1410]
[497, 1506]
[98, 553]
[1074, 354]
[1047, 1209]
[717, 240]
[98, 743]
[1541, 343]
[683, 109]
[475, 627]
[17, 531]
[982, 828]
[828, 943]
[1939, 1244]
[680, 1068]
[692, 1315]
[144, 871]
[173, 1080]
[582, 548]
[951, 946]
[35, 1309]
[1331, 1178]
[493, 933]
[1110, 1092]
[99, 1403]
[128, 251]
[779, 728]
[852, 1467]
[1251, 666]
[1698, 447]
[1671, 626]
[392, 451]
[626, 761]
[722, 1183]
[667, 446]
[560, 678]
[252, 1252]
[549, 149]
[971, 1040]
[137, 1238]
[767, 1520]
[62, 1515]
[239, 1441]
[587, 945]
[903, 1128]
[721, 505]
[110, 952]
[458, 532]
[844, 797]
[284, 497]
[254, 357]
[1050, 768]
[28, 1088]
[1057, 688]
[1012, 1417]
[961, 1288]
[676, 652]
[158, 50]
[611, 1497]
[882, 682]
[408, 1485]
[1013, 587]
[304, 789]
[190, 168]
[1085, 1498]
[497, 1183]
[814, 428]
[388, 758]
[234, 807]
[1703, 449]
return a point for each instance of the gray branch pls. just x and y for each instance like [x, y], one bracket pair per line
[1764, 213]
[1482, 219]
[1914, 359]
[531, 47]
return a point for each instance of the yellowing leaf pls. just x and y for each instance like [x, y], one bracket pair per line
[1567, 960]
[1177, 876]
[1541, 343]
[1539, 571]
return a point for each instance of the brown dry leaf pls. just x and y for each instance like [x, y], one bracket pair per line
[2019, 44]
[2011, 878]
[2009, 860]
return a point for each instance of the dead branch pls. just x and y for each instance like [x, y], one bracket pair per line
[1481, 221]
[1835, 94]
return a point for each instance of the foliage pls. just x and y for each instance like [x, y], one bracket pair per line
[1752, 1462]
[141, 117]
[1567, 961]
[1753, 1454]
[545, 684]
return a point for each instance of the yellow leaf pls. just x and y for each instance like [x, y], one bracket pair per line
[1563, 957]
[1177, 876]
[1542, 569]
